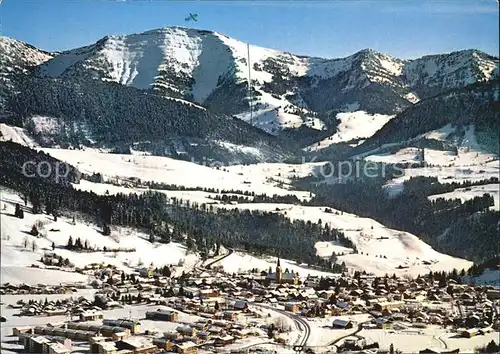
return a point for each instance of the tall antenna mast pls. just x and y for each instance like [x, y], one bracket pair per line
[249, 84]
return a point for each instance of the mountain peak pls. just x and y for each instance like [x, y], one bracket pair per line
[370, 52]
[171, 30]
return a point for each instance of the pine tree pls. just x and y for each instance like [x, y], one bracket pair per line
[106, 230]
[70, 243]
[34, 231]
[19, 212]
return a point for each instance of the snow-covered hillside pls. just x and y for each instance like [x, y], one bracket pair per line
[15, 258]
[241, 262]
[469, 193]
[454, 70]
[182, 62]
[352, 126]
[17, 56]
[170, 171]
[370, 237]
[15, 59]
[381, 250]
[15, 134]
[467, 161]
[489, 277]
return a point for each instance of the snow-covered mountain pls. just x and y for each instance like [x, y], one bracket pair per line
[15, 59]
[434, 74]
[289, 90]
[18, 56]
[195, 74]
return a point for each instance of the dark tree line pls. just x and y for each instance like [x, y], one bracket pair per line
[478, 269]
[106, 107]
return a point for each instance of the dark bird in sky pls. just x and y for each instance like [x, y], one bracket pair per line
[192, 17]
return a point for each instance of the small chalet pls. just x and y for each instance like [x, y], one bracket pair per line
[221, 341]
[342, 324]
[185, 348]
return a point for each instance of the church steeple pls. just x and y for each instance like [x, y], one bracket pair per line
[278, 272]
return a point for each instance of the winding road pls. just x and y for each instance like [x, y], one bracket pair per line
[229, 252]
[300, 323]
[198, 264]
[440, 340]
[353, 334]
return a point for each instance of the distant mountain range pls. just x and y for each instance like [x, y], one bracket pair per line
[172, 87]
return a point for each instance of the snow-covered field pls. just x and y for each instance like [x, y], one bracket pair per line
[20, 274]
[464, 158]
[169, 171]
[371, 238]
[413, 340]
[471, 192]
[105, 188]
[408, 341]
[446, 175]
[383, 249]
[322, 333]
[285, 173]
[353, 125]
[468, 345]
[15, 258]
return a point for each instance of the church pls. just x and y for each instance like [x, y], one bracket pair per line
[281, 277]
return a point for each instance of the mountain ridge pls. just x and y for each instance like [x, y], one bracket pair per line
[299, 94]
[288, 89]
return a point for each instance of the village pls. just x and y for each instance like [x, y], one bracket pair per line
[207, 310]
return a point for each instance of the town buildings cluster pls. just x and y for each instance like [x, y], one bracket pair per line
[228, 308]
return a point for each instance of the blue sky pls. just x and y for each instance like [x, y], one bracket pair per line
[403, 28]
